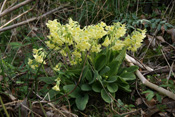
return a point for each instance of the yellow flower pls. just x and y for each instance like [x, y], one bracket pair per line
[35, 51]
[52, 25]
[51, 46]
[136, 39]
[83, 46]
[121, 31]
[96, 48]
[106, 42]
[30, 62]
[57, 67]
[73, 62]
[127, 41]
[77, 54]
[63, 53]
[56, 88]
[102, 24]
[39, 59]
[118, 45]
[39, 55]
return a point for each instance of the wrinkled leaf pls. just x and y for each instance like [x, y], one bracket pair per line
[113, 87]
[111, 79]
[85, 87]
[128, 76]
[100, 62]
[69, 88]
[104, 70]
[47, 80]
[132, 68]
[106, 97]
[85, 71]
[123, 85]
[89, 75]
[114, 66]
[95, 77]
[81, 101]
[96, 87]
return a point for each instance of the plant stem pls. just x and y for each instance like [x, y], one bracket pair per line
[4, 107]
[68, 51]
[44, 70]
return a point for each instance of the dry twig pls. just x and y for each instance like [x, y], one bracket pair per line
[149, 84]
[31, 19]
[5, 12]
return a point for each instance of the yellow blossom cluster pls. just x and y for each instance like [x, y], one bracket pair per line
[39, 56]
[57, 67]
[72, 41]
[134, 41]
[56, 87]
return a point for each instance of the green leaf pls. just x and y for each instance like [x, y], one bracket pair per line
[165, 27]
[169, 25]
[96, 87]
[106, 97]
[132, 68]
[162, 22]
[120, 103]
[95, 77]
[81, 101]
[85, 71]
[158, 97]
[16, 44]
[111, 79]
[129, 21]
[153, 25]
[150, 94]
[159, 27]
[113, 87]
[47, 80]
[42, 91]
[85, 87]
[114, 66]
[157, 20]
[69, 88]
[128, 76]
[123, 84]
[100, 62]
[134, 16]
[123, 21]
[133, 23]
[89, 75]
[74, 71]
[52, 93]
[104, 70]
[138, 22]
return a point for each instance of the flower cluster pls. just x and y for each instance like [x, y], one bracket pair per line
[72, 41]
[39, 56]
[62, 37]
[56, 87]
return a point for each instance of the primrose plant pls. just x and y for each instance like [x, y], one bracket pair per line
[93, 58]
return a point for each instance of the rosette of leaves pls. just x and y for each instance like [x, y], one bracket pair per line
[104, 75]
